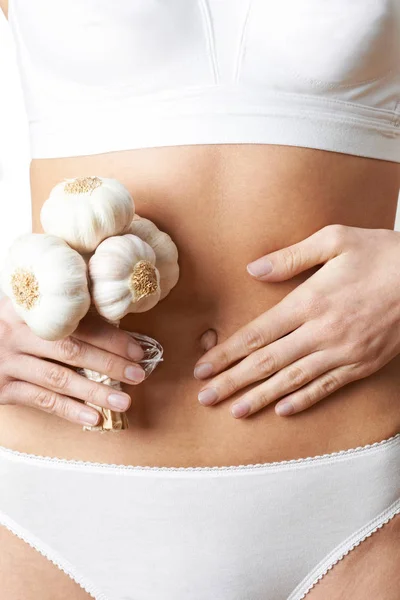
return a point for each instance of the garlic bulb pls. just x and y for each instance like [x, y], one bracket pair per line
[86, 210]
[123, 277]
[165, 250]
[47, 283]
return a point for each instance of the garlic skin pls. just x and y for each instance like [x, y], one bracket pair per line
[47, 282]
[123, 277]
[165, 250]
[86, 210]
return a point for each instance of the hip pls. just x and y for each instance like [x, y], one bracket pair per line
[257, 529]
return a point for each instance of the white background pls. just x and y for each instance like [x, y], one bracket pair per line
[15, 208]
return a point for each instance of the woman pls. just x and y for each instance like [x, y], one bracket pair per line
[250, 133]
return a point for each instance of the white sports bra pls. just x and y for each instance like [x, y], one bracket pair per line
[107, 75]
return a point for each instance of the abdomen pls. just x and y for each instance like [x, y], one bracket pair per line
[224, 206]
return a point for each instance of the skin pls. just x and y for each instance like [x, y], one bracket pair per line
[321, 336]
[287, 203]
[168, 426]
[334, 214]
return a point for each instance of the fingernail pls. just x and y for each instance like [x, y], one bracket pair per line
[240, 409]
[88, 417]
[135, 352]
[284, 408]
[204, 370]
[118, 401]
[135, 374]
[208, 396]
[259, 268]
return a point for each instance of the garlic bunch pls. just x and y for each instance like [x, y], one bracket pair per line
[86, 210]
[90, 227]
[165, 250]
[123, 277]
[46, 281]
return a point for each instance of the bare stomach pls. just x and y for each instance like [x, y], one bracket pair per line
[224, 206]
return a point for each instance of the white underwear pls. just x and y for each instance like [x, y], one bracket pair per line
[250, 532]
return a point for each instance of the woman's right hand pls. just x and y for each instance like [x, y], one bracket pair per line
[31, 373]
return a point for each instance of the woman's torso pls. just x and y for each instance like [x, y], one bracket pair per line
[91, 71]
[224, 205]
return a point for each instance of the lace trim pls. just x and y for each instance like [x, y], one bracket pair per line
[296, 462]
[51, 555]
[339, 553]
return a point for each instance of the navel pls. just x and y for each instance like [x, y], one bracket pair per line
[208, 340]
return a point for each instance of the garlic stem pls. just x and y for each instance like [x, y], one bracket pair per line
[110, 420]
[113, 420]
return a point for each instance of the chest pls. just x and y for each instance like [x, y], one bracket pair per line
[153, 45]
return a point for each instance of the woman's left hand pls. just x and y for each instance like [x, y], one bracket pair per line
[340, 325]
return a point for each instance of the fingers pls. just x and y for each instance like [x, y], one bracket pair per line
[319, 388]
[279, 320]
[101, 334]
[285, 263]
[258, 366]
[66, 382]
[287, 380]
[74, 351]
[27, 394]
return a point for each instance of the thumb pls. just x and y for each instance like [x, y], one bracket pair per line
[321, 246]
